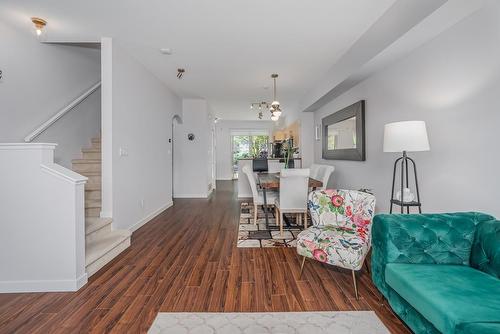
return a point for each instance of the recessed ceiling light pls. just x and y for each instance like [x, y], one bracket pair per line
[166, 51]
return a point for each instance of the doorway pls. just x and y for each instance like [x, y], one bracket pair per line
[247, 147]
[176, 120]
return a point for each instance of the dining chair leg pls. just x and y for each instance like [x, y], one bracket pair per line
[255, 207]
[302, 266]
[355, 284]
[281, 223]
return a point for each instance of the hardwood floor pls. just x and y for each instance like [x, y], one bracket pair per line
[185, 260]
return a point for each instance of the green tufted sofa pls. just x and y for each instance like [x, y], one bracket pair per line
[439, 272]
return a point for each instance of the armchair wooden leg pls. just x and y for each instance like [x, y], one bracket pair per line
[276, 215]
[355, 284]
[305, 220]
[255, 207]
[302, 266]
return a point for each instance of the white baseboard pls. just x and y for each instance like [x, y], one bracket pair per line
[190, 196]
[224, 179]
[153, 214]
[81, 281]
[43, 285]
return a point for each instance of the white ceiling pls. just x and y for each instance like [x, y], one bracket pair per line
[228, 47]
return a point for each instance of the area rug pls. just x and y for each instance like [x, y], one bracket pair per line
[259, 235]
[354, 322]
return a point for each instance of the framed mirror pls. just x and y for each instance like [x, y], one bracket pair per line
[344, 133]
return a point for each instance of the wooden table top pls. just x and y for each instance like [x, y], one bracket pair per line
[272, 181]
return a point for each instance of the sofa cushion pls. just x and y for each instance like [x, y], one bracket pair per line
[478, 327]
[447, 295]
[428, 238]
[485, 254]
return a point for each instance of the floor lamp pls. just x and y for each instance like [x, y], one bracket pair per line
[409, 136]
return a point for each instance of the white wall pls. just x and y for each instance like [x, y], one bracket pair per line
[40, 79]
[223, 139]
[192, 158]
[74, 130]
[211, 166]
[307, 139]
[42, 228]
[452, 83]
[141, 109]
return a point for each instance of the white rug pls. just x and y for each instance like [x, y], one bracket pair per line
[355, 322]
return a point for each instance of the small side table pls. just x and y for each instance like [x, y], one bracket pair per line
[406, 205]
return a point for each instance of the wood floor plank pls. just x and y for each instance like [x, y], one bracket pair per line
[184, 260]
[217, 299]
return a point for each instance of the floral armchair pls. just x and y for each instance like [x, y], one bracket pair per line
[341, 231]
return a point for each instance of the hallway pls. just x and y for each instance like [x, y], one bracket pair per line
[186, 260]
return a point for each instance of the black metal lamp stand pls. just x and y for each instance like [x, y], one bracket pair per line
[403, 161]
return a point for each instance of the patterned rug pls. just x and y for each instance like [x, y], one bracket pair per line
[353, 322]
[260, 235]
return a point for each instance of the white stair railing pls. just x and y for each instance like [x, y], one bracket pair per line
[38, 131]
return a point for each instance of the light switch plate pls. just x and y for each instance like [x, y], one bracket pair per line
[122, 152]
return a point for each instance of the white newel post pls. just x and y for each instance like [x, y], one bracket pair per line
[42, 221]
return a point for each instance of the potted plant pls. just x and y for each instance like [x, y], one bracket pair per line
[289, 154]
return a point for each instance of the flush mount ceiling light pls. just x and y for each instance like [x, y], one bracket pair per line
[274, 107]
[39, 25]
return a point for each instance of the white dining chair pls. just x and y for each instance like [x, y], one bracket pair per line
[275, 166]
[294, 187]
[321, 173]
[326, 173]
[315, 171]
[258, 196]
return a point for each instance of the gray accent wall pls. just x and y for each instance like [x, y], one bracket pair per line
[453, 84]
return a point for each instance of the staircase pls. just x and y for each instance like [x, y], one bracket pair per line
[102, 243]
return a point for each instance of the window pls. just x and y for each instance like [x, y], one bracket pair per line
[247, 145]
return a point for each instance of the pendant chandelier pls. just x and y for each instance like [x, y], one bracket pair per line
[274, 107]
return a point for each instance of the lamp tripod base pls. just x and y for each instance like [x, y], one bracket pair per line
[404, 162]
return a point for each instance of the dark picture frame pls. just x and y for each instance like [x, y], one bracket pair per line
[357, 154]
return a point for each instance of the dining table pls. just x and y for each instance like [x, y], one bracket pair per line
[271, 181]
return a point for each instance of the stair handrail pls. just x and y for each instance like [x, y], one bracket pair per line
[45, 125]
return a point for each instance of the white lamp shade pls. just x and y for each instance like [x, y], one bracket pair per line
[410, 136]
